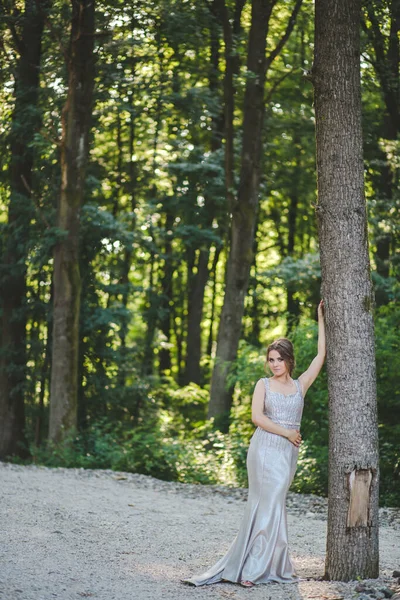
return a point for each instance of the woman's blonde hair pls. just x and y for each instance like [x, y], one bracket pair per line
[285, 349]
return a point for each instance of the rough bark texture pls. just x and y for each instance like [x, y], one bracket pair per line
[76, 120]
[352, 544]
[26, 121]
[244, 212]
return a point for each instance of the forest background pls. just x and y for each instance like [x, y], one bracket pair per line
[155, 218]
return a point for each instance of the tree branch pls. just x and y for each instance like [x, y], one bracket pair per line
[277, 84]
[285, 37]
[47, 20]
[10, 20]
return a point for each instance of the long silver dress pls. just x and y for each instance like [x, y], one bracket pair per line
[260, 552]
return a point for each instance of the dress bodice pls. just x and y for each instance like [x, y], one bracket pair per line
[284, 410]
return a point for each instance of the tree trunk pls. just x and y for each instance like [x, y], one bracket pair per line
[200, 278]
[213, 275]
[254, 311]
[244, 212]
[25, 122]
[352, 544]
[195, 313]
[293, 307]
[244, 209]
[151, 314]
[76, 119]
[166, 293]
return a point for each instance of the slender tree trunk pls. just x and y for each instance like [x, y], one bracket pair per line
[244, 212]
[178, 310]
[128, 258]
[213, 274]
[229, 91]
[151, 315]
[253, 311]
[200, 279]
[166, 293]
[25, 122]
[293, 307]
[44, 373]
[195, 312]
[352, 544]
[76, 119]
[244, 209]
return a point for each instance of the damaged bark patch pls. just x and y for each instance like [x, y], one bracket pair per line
[360, 487]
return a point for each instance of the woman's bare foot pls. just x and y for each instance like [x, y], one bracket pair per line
[246, 583]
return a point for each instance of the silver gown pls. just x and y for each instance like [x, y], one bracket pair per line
[260, 552]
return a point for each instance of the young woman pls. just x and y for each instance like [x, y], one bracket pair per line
[259, 553]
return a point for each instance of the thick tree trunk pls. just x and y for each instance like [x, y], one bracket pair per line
[244, 212]
[76, 119]
[352, 544]
[26, 121]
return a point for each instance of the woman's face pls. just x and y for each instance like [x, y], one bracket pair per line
[276, 363]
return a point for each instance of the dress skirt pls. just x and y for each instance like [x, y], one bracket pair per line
[260, 552]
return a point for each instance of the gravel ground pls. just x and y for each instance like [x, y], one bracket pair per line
[71, 534]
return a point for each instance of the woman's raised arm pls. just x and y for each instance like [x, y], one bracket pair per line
[309, 376]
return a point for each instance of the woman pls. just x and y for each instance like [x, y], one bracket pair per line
[259, 554]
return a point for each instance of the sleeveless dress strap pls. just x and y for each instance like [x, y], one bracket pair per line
[266, 388]
[297, 382]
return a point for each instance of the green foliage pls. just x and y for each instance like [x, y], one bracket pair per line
[104, 446]
[175, 442]
[387, 325]
[304, 272]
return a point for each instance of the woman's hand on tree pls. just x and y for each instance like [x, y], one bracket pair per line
[294, 436]
[321, 310]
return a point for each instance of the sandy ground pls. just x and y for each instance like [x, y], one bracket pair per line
[71, 534]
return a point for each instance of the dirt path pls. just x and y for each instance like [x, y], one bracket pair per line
[71, 534]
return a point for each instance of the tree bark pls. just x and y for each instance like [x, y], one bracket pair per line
[25, 122]
[76, 119]
[352, 543]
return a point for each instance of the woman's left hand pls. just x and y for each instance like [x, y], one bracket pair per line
[321, 310]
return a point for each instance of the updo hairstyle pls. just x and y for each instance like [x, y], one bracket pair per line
[285, 349]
